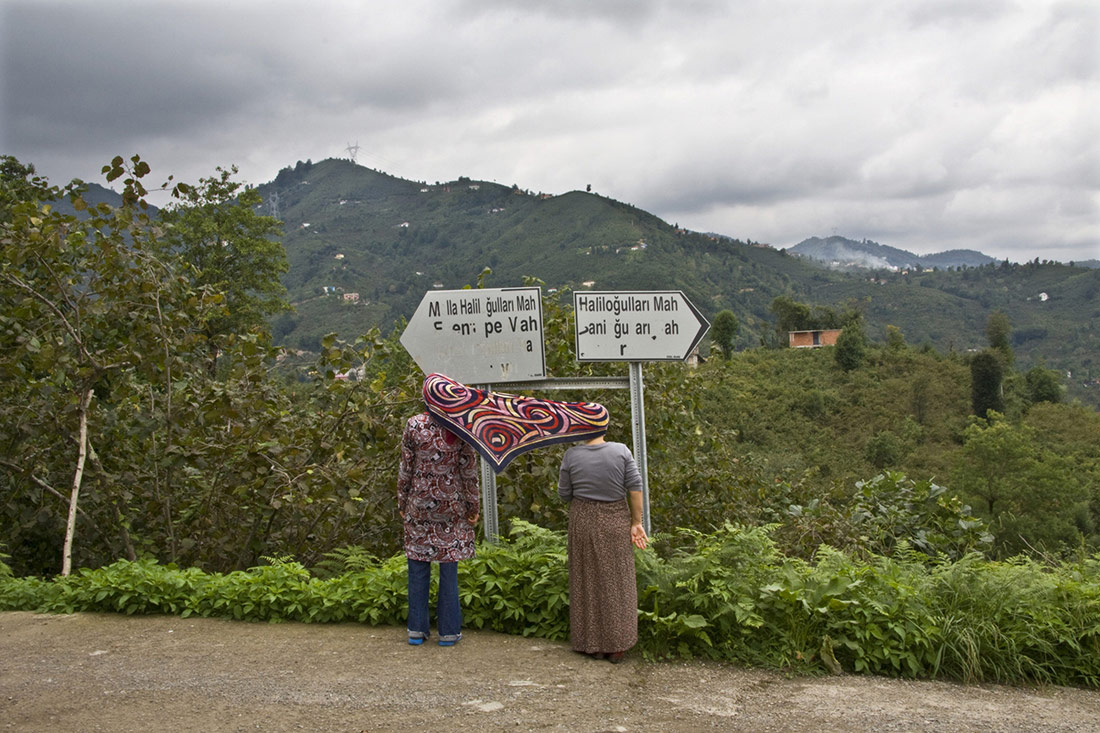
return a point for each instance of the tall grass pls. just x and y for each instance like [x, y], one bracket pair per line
[729, 595]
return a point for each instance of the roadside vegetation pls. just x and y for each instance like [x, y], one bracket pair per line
[727, 595]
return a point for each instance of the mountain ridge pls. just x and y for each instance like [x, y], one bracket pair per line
[365, 246]
[839, 252]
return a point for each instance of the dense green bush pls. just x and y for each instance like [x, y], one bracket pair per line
[728, 595]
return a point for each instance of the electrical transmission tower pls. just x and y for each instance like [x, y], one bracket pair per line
[352, 150]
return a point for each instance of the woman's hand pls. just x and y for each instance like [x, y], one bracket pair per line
[638, 535]
[472, 519]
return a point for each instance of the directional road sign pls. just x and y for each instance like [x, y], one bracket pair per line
[479, 336]
[656, 325]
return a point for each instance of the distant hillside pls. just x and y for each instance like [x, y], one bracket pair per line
[384, 241]
[842, 253]
[365, 246]
[97, 194]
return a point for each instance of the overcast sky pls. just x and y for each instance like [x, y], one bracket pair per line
[921, 124]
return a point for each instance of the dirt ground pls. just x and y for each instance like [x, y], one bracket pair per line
[90, 672]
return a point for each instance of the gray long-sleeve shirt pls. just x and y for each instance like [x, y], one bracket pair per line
[601, 472]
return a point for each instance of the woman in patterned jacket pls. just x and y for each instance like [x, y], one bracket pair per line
[437, 495]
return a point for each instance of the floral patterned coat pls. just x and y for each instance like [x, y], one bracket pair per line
[437, 492]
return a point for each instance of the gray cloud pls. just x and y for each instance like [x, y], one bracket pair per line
[925, 125]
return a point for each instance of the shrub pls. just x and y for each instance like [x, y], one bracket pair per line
[883, 450]
[728, 595]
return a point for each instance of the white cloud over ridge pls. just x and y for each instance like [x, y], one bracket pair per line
[924, 125]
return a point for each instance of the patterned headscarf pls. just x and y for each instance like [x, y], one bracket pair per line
[501, 426]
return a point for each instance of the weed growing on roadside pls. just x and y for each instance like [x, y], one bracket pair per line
[728, 595]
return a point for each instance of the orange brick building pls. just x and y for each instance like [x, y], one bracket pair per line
[813, 339]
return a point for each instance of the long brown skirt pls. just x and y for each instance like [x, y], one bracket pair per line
[603, 591]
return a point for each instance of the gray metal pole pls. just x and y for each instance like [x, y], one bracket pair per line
[637, 414]
[489, 502]
[490, 518]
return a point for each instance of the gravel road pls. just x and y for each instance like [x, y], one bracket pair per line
[91, 672]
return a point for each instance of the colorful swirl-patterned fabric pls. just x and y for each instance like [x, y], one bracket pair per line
[502, 426]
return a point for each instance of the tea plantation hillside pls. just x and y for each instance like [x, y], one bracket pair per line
[365, 246]
[351, 230]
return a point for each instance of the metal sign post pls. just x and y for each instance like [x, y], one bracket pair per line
[489, 515]
[637, 417]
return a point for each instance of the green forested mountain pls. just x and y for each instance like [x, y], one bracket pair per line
[352, 230]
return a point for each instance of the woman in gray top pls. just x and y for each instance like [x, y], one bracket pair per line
[600, 480]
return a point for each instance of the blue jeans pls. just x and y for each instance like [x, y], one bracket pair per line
[448, 613]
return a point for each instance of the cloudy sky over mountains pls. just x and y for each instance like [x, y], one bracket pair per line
[922, 124]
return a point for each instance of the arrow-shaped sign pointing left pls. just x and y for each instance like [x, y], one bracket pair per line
[479, 336]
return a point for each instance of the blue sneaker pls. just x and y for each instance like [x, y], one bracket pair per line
[450, 641]
[415, 641]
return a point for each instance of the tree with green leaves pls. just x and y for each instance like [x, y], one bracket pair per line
[790, 315]
[986, 375]
[111, 428]
[883, 450]
[998, 331]
[89, 314]
[215, 229]
[723, 331]
[1033, 498]
[850, 347]
[895, 339]
[18, 184]
[1043, 385]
